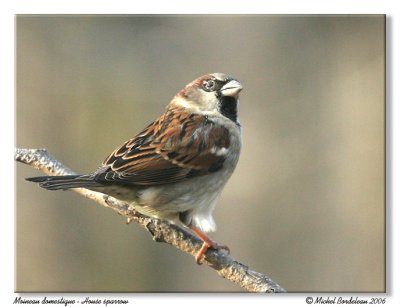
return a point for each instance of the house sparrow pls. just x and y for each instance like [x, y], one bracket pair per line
[176, 168]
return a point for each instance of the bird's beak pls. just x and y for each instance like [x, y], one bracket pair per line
[232, 88]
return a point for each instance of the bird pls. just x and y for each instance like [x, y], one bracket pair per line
[176, 168]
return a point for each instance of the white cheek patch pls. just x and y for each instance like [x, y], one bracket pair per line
[200, 103]
[219, 151]
[183, 102]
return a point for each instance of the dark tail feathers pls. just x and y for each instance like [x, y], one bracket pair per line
[65, 182]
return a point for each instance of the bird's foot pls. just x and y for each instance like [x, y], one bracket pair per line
[207, 243]
[204, 248]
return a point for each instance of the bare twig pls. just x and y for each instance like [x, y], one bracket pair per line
[162, 231]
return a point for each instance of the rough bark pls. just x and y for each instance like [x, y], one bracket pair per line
[162, 231]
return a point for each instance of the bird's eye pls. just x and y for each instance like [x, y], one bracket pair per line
[209, 85]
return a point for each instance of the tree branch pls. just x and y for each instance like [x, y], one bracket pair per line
[162, 231]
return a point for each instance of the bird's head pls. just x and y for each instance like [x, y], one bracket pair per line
[211, 94]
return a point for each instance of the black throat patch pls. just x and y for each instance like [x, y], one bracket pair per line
[228, 107]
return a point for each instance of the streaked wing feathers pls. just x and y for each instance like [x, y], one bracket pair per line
[176, 146]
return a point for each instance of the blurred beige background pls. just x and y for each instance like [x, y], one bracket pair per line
[306, 203]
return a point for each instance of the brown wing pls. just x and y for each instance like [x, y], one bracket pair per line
[175, 147]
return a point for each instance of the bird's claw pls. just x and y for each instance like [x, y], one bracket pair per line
[204, 248]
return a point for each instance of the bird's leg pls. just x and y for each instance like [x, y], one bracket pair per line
[207, 243]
